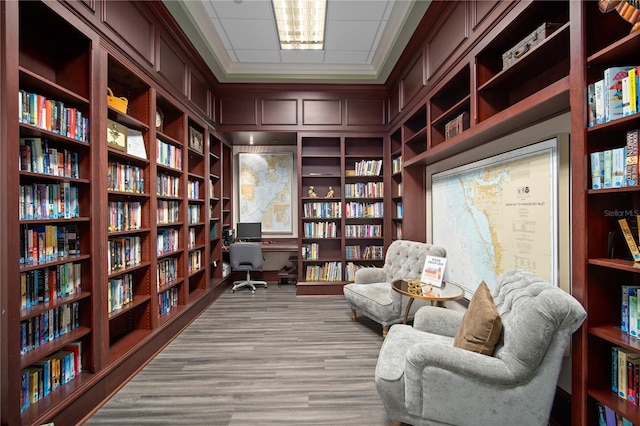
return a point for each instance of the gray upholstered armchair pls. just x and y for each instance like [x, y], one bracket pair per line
[371, 294]
[423, 379]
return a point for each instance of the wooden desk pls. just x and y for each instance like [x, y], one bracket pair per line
[280, 245]
[415, 290]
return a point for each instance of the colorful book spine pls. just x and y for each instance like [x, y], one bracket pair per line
[628, 236]
[599, 101]
[632, 158]
[607, 181]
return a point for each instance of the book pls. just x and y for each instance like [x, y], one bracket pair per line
[602, 419]
[632, 384]
[597, 169]
[607, 180]
[630, 104]
[631, 243]
[632, 157]
[433, 271]
[632, 309]
[618, 167]
[613, 92]
[610, 416]
[591, 105]
[599, 101]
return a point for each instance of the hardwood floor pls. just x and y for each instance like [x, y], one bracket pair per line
[268, 358]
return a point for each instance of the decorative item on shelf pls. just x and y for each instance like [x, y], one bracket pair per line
[312, 193]
[456, 126]
[159, 119]
[330, 192]
[196, 140]
[116, 136]
[119, 104]
[349, 172]
[514, 54]
[629, 10]
[135, 143]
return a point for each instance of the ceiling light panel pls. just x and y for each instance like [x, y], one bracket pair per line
[301, 23]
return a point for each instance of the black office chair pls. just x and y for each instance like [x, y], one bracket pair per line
[246, 257]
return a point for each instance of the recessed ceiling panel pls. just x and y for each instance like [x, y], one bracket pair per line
[238, 39]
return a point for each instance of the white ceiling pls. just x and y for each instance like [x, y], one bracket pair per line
[238, 39]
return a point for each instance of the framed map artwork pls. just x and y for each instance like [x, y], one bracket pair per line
[505, 211]
[265, 190]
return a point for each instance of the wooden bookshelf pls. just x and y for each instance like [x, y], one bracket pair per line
[597, 277]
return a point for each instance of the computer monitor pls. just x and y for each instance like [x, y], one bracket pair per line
[249, 231]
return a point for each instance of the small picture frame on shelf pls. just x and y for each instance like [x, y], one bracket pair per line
[196, 140]
[116, 136]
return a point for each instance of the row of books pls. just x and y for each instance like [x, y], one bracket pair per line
[41, 244]
[192, 239]
[363, 231]
[168, 155]
[350, 271]
[310, 251]
[124, 215]
[625, 374]
[396, 165]
[320, 230]
[119, 292]
[48, 326]
[364, 210]
[608, 417]
[330, 271]
[364, 190]
[368, 167]
[193, 213]
[167, 301]
[50, 283]
[53, 116]
[614, 96]
[168, 212]
[193, 190]
[166, 272]
[125, 178]
[123, 253]
[36, 156]
[368, 252]
[328, 209]
[616, 167]
[168, 185]
[168, 241]
[49, 201]
[194, 261]
[48, 374]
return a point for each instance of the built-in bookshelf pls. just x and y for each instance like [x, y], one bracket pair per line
[364, 192]
[395, 227]
[172, 210]
[227, 189]
[197, 229]
[603, 265]
[214, 189]
[129, 292]
[51, 295]
[321, 209]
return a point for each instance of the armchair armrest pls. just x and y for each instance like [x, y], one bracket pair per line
[370, 275]
[437, 320]
[483, 368]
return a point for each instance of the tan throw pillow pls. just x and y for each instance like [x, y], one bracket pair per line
[481, 324]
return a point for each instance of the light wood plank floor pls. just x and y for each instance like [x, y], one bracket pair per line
[268, 358]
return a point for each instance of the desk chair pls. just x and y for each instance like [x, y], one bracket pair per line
[246, 257]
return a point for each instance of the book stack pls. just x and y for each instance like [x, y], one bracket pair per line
[614, 96]
[616, 167]
[625, 373]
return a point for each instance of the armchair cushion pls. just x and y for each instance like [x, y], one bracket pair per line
[481, 324]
